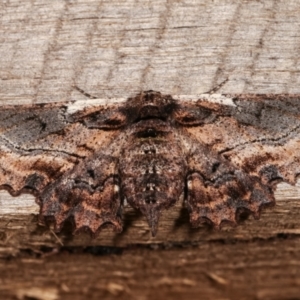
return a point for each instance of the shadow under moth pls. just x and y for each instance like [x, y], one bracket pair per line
[222, 155]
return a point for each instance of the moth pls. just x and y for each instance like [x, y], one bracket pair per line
[222, 155]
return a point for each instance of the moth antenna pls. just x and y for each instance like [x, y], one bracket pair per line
[83, 92]
[217, 87]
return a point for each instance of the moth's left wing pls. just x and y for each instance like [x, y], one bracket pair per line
[239, 150]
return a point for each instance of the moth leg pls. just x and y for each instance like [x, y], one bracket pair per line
[218, 192]
[88, 195]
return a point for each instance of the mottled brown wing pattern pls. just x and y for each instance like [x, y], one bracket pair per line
[46, 148]
[85, 163]
[239, 152]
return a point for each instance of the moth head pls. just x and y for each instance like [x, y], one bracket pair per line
[151, 104]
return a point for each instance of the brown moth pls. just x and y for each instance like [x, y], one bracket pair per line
[222, 157]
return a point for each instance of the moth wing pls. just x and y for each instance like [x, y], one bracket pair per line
[88, 195]
[239, 152]
[40, 143]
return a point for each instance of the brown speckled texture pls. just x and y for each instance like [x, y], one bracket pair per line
[222, 161]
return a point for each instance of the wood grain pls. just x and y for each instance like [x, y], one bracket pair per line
[115, 49]
[262, 269]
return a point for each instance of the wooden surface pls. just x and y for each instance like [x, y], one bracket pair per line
[115, 49]
[221, 269]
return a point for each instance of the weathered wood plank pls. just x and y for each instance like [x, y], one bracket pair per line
[255, 269]
[114, 49]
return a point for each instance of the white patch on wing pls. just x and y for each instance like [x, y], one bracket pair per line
[81, 104]
[215, 98]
